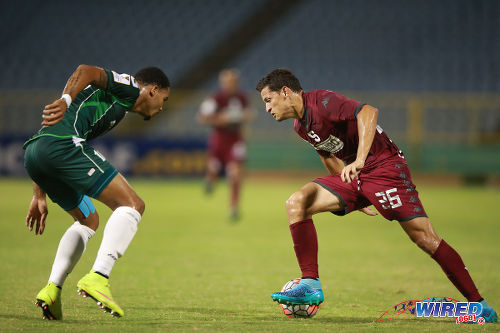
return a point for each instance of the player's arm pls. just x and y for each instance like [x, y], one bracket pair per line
[82, 77]
[332, 164]
[37, 211]
[208, 114]
[367, 125]
[335, 166]
[216, 119]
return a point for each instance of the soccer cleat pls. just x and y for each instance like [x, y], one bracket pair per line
[96, 286]
[49, 300]
[489, 314]
[308, 291]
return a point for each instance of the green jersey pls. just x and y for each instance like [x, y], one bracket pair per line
[95, 111]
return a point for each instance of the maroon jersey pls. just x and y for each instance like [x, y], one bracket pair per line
[233, 106]
[226, 143]
[329, 124]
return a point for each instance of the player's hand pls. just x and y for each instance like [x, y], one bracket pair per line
[221, 119]
[368, 211]
[351, 171]
[37, 213]
[54, 113]
[234, 115]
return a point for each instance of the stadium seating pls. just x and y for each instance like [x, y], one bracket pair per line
[123, 35]
[383, 45]
[356, 45]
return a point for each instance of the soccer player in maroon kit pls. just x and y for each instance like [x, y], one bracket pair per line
[366, 168]
[226, 111]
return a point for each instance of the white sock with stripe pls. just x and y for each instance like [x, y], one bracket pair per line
[118, 233]
[71, 247]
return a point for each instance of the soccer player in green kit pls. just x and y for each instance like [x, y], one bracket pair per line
[63, 165]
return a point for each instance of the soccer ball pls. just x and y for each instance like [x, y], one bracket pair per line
[301, 310]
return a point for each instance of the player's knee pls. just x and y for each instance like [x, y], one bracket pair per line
[93, 221]
[423, 235]
[424, 241]
[139, 205]
[419, 240]
[296, 204]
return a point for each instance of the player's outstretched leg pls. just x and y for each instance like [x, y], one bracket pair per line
[49, 300]
[421, 232]
[308, 291]
[96, 286]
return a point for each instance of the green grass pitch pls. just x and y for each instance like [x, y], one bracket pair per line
[189, 269]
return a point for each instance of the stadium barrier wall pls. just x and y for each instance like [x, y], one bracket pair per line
[131, 156]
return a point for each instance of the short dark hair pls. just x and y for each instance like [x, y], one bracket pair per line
[279, 78]
[152, 75]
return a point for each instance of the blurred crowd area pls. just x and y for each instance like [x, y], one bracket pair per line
[431, 67]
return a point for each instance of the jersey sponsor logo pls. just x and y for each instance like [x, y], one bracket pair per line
[121, 78]
[332, 144]
[325, 101]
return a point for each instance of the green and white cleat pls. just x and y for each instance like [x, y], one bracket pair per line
[96, 286]
[49, 300]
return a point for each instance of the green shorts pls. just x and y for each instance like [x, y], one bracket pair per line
[67, 169]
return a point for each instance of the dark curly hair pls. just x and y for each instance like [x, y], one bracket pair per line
[279, 78]
[152, 75]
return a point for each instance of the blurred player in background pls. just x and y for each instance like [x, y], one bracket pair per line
[227, 110]
[366, 168]
[63, 165]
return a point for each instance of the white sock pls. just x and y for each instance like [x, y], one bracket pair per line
[118, 233]
[71, 247]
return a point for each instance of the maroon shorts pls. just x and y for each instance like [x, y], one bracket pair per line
[225, 150]
[388, 187]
